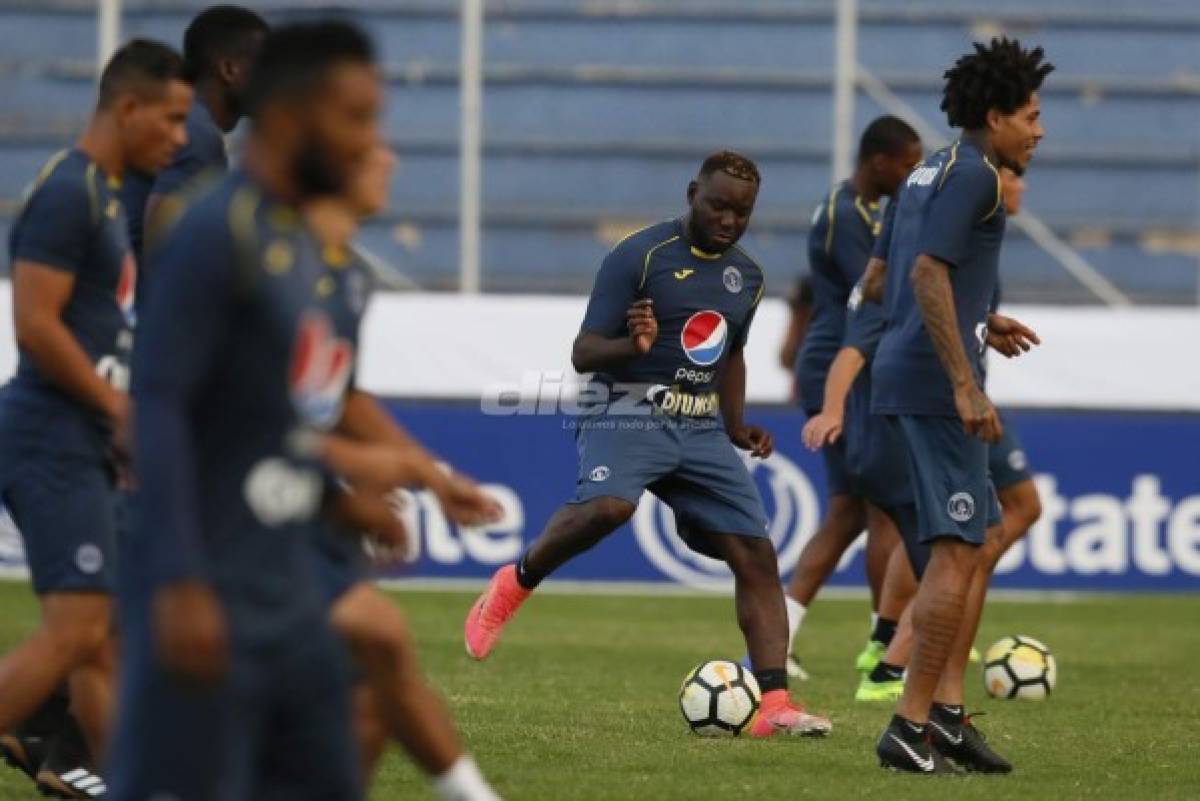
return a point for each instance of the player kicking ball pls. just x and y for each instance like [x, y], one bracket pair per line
[939, 257]
[663, 334]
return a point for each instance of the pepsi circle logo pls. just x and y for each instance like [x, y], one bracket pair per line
[703, 337]
[320, 370]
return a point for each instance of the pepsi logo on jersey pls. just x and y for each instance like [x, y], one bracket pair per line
[703, 337]
[320, 370]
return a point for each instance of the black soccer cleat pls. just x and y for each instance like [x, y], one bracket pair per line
[906, 749]
[964, 745]
[22, 752]
[68, 771]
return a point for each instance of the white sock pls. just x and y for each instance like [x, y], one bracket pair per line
[464, 782]
[874, 620]
[795, 616]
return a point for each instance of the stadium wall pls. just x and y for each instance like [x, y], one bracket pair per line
[1109, 414]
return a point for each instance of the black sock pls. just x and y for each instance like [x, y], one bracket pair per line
[771, 679]
[886, 672]
[525, 577]
[947, 713]
[911, 732]
[884, 631]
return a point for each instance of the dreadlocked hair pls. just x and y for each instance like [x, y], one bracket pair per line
[1001, 76]
[731, 163]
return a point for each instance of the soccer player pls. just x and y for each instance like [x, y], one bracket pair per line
[839, 246]
[667, 321]
[233, 682]
[394, 699]
[219, 46]
[939, 259]
[64, 416]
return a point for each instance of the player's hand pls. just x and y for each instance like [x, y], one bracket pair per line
[643, 328]
[823, 429]
[370, 512]
[189, 632]
[978, 414]
[464, 502]
[1010, 337]
[754, 439]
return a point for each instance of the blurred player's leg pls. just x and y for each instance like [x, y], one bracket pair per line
[885, 681]
[409, 709]
[882, 539]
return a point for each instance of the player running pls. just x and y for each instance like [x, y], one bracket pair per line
[233, 683]
[667, 321]
[64, 416]
[943, 247]
[844, 229]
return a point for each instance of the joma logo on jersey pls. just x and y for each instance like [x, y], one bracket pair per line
[923, 176]
[682, 274]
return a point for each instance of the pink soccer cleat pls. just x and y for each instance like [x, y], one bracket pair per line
[778, 715]
[487, 618]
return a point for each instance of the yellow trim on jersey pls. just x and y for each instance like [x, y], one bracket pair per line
[949, 164]
[242, 206]
[633, 233]
[649, 253]
[761, 288]
[89, 180]
[999, 191]
[700, 254]
[862, 210]
[49, 167]
[830, 214]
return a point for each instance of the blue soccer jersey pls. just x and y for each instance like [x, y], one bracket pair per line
[205, 150]
[704, 304]
[73, 221]
[950, 209]
[250, 338]
[839, 246]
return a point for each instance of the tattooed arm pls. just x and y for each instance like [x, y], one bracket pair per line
[935, 298]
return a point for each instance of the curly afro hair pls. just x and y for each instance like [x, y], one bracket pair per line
[1000, 76]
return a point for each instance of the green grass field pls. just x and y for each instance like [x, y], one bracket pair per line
[579, 703]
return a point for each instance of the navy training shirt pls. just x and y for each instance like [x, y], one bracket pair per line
[704, 304]
[135, 191]
[950, 209]
[250, 338]
[839, 246]
[72, 221]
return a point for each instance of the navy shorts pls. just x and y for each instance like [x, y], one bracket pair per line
[949, 473]
[341, 563]
[65, 507]
[839, 477]
[278, 728]
[690, 464]
[1007, 462]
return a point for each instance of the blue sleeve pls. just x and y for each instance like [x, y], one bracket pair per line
[743, 333]
[178, 343]
[969, 194]
[850, 244]
[884, 241]
[55, 226]
[199, 154]
[617, 286]
[864, 325]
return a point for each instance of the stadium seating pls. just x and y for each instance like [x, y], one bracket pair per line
[597, 113]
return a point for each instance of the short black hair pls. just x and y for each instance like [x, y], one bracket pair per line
[141, 66]
[295, 58]
[216, 33]
[731, 163]
[1002, 75]
[888, 136]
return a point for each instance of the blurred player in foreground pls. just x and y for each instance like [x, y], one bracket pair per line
[844, 229]
[393, 700]
[234, 685]
[666, 415]
[939, 257]
[64, 417]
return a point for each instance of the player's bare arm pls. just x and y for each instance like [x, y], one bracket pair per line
[592, 351]
[40, 294]
[463, 501]
[874, 279]
[1010, 337]
[190, 633]
[935, 299]
[733, 405]
[826, 427]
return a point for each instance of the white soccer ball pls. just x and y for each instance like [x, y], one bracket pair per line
[719, 698]
[1019, 667]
